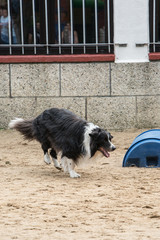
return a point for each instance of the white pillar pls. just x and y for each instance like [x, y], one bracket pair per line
[131, 26]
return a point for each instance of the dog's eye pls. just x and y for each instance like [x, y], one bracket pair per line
[110, 137]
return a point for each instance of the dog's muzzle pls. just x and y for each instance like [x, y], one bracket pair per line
[105, 152]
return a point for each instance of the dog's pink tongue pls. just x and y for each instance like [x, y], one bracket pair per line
[105, 153]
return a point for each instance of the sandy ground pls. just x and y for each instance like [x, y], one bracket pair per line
[108, 202]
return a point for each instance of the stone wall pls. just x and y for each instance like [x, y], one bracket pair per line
[114, 96]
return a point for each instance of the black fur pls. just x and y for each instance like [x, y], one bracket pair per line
[26, 129]
[61, 130]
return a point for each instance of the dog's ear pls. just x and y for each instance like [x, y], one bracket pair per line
[110, 136]
[94, 136]
[95, 133]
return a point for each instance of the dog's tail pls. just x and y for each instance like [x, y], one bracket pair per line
[25, 127]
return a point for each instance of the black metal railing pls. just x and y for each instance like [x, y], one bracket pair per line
[56, 27]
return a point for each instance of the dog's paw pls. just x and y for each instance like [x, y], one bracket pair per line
[59, 168]
[73, 174]
[47, 159]
[56, 164]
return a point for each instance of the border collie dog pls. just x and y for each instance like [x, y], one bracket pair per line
[65, 137]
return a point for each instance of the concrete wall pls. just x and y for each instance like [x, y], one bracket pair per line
[114, 96]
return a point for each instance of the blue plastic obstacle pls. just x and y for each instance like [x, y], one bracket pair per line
[144, 151]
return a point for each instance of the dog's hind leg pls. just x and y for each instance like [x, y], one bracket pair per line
[71, 165]
[54, 158]
[47, 159]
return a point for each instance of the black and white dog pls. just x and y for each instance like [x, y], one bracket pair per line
[66, 137]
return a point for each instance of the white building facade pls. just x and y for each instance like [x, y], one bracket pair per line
[131, 30]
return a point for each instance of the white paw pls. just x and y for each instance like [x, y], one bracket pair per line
[73, 174]
[47, 159]
[56, 164]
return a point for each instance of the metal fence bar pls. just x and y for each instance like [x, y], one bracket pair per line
[57, 45]
[34, 26]
[59, 25]
[71, 44]
[96, 24]
[71, 22]
[46, 20]
[21, 25]
[109, 24]
[9, 27]
[154, 24]
[84, 26]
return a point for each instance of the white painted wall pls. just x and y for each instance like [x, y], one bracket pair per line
[131, 26]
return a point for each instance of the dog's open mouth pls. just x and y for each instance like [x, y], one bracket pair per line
[105, 153]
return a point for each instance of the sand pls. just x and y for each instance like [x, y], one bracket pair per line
[108, 202]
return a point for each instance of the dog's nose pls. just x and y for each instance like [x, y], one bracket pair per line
[113, 148]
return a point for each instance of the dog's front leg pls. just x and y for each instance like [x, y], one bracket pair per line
[71, 166]
[47, 158]
[57, 161]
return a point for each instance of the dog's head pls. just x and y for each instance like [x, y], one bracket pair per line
[101, 141]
